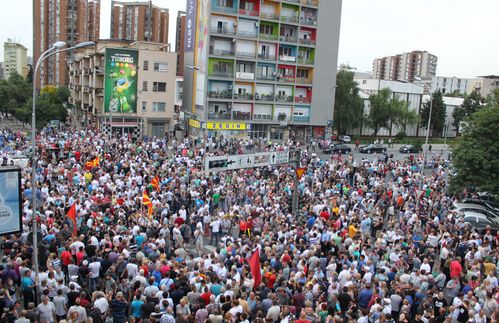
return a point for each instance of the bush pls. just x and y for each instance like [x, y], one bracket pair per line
[400, 136]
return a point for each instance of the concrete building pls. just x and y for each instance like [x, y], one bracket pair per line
[72, 21]
[448, 85]
[406, 66]
[261, 68]
[179, 42]
[154, 113]
[15, 59]
[1, 71]
[139, 21]
[485, 85]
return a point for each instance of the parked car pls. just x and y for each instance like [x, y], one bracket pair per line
[469, 207]
[337, 148]
[479, 222]
[345, 139]
[493, 206]
[371, 148]
[406, 149]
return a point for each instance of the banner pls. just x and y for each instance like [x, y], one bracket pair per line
[10, 200]
[120, 85]
[190, 25]
[226, 126]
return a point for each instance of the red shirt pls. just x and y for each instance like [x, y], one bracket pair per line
[79, 257]
[325, 215]
[271, 278]
[66, 257]
[455, 269]
[206, 297]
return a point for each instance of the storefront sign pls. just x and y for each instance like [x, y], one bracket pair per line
[226, 126]
[194, 123]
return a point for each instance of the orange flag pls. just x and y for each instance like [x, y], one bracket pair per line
[146, 201]
[155, 183]
[72, 216]
[93, 163]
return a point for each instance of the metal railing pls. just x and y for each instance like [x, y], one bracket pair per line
[248, 12]
[267, 57]
[288, 39]
[314, 3]
[307, 61]
[221, 52]
[249, 34]
[238, 115]
[307, 41]
[243, 96]
[286, 79]
[284, 98]
[224, 9]
[224, 31]
[220, 94]
[265, 77]
[220, 116]
[264, 97]
[246, 54]
[301, 119]
[266, 15]
[302, 99]
[221, 73]
[268, 36]
[309, 21]
[303, 80]
[292, 19]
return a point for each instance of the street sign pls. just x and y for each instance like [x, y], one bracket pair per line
[299, 172]
[261, 159]
[215, 164]
[279, 157]
[240, 161]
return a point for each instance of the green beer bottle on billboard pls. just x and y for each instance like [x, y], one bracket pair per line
[120, 94]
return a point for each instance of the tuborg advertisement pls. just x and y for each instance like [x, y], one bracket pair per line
[120, 86]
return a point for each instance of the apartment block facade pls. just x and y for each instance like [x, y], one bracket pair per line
[406, 67]
[15, 59]
[139, 21]
[155, 98]
[72, 21]
[268, 69]
[448, 85]
[179, 42]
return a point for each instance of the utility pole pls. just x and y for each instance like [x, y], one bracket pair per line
[295, 158]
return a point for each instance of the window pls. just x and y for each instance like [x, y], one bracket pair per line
[146, 66]
[161, 67]
[158, 107]
[302, 73]
[159, 86]
[144, 86]
[276, 133]
[144, 106]
[268, 30]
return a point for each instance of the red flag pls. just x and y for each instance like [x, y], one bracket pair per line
[72, 216]
[155, 183]
[256, 271]
[146, 201]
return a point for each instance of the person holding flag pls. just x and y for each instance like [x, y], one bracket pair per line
[146, 201]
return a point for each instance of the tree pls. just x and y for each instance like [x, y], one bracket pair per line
[492, 100]
[14, 93]
[49, 106]
[438, 114]
[472, 103]
[380, 110]
[348, 105]
[475, 157]
[402, 116]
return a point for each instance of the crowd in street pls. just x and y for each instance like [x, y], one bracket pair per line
[372, 241]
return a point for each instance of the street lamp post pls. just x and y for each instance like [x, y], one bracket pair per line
[55, 49]
[425, 149]
[203, 131]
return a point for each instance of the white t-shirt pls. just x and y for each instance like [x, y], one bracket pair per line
[94, 268]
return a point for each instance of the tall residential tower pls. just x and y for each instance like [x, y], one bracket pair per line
[406, 66]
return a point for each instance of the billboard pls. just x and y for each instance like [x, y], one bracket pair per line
[190, 25]
[10, 200]
[120, 85]
[202, 45]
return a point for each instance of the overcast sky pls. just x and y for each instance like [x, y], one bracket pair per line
[463, 34]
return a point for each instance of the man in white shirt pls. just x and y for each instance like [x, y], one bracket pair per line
[94, 268]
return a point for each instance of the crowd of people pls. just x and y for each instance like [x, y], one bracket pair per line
[372, 241]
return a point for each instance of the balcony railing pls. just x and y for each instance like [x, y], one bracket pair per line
[307, 41]
[303, 80]
[221, 52]
[266, 15]
[248, 12]
[288, 39]
[286, 79]
[264, 97]
[220, 94]
[310, 21]
[249, 34]
[220, 116]
[223, 31]
[268, 36]
[245, 75]
[246, 54]
[293, 1]
[284, 98]
[225, 9]
[243, 96]
[285, 58]
[292, 19]
[307, 61]
[238, 115]
[265, 77]
[267, 117]
[267, 57]
[302, 99]
[221, 73]
[301, 118]
[314, 3]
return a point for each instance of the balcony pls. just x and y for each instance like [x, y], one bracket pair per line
[243, 96]
[246, 55]
[284, 98]
[288, 39]
[265, 77]
[264, 97]
[221, 52]
[238, 115]
[220, 73]
[288, 59]
[303, 80]
[247, 34]
[313, 3]
[292, 1]
[287, 79]
[310, 21]
[268, 36]
[263, 117]
[309, 42]
[230, 10]
[223, 31]
[291, 19]
[307, 61]
[246, 12]
[99, 92]
[301, 118]
[227, 94]
[271, 16]
[223, 115]
[245, 76]
[267, 57]
[302, 99]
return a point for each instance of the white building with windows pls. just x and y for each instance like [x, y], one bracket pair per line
[156, 89]
[448, 85]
